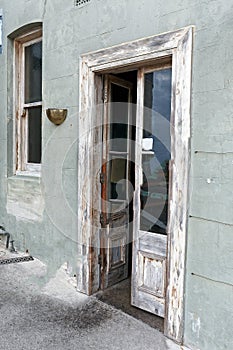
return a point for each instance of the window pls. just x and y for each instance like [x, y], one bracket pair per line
[28, 79]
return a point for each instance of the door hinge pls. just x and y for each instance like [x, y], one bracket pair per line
[103, 220]
[105, 95]
[24, 113]
[102, 178]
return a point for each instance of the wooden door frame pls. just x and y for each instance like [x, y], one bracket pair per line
[127, 56]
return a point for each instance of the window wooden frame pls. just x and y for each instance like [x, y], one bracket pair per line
[23, 167]
[1, 36]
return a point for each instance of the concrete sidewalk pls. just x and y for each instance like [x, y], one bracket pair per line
[57, 317]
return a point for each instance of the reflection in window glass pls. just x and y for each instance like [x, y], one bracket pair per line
[34, 135]
[33, 73]
[155, 158]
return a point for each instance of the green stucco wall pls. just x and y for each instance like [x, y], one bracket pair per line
[41, 214]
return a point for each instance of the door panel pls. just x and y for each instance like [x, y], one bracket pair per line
[115, 187]
[151, 190]
[151, 273]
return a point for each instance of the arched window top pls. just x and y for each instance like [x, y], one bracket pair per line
[26, 30]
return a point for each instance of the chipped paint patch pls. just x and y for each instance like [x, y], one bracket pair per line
[24, 199]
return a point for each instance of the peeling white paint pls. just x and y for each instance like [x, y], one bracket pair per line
[195, 324]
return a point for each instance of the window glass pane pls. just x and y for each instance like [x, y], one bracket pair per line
[33, 73]
[156, 151]
[118, 172]
[119, 117]
[34, 135]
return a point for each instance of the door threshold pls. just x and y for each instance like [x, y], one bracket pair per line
[119, 297]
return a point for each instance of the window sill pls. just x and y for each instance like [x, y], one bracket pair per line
[27, 173]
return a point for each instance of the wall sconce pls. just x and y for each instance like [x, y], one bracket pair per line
[56, 116]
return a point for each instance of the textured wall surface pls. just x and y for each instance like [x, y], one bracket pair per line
[47, 227]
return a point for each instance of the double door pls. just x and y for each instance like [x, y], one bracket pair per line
[135, 185]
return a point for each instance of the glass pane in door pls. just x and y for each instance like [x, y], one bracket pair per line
[156, 151]
[118, 173]
[119, 117]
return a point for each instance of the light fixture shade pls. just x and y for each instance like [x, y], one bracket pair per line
[56, 116]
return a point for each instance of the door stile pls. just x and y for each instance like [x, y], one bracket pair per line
[93, 243]
[138, 180]
[104, 185]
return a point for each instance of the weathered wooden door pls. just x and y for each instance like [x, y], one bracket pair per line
[115, 187]
[151, 210]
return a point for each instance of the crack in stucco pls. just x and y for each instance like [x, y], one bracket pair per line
[44, 10]
[212, 280]
[211, 220]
